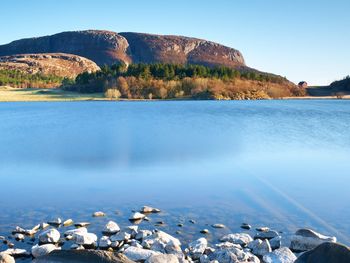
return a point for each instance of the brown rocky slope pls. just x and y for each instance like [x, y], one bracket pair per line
[106, 47]
[57, 64]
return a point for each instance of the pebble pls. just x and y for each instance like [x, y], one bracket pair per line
[136, 216]
[68, 222]
[246, 226]
[218, 226]
[82, 224]
[204, 231]
[98, 214]
[149, 209]
[262, 229]
[56, 222]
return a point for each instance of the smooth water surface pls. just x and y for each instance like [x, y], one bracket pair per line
[284, 164]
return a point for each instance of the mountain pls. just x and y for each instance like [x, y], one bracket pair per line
[106, 47]
[57, 64]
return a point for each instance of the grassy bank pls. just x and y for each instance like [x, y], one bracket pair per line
[14, 94]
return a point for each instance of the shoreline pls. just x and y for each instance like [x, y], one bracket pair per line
[66, 239]
[9, 94]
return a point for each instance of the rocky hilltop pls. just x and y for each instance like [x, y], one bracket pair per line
[106, 47]
[57, 64]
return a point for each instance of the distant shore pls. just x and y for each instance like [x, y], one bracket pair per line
[9, 94]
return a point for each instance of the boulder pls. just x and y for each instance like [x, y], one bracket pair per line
[81, 230]
[197, 247]
[162, 258]
[260, 247]
[139, 254]
[307, 239]
[104, 242]
[266, 234]
[82, 256]
[280, 255]
[111, 228]
[275, 242]
[242, 239]
[136, 216]
[149, 209]
[6, 258]
[84, 238]
[233, 255]
[49, 236]
[16, 252]
[326, 253]
[38, 251]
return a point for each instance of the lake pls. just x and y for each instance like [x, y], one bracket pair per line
[283, 163]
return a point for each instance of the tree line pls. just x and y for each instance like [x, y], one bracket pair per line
[168, 81]
[19, 79]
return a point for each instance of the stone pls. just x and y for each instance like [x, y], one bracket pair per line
[149, 209]
[38, 251]
[71, 232]
[233, 255]
[218, 226]
[307, 239]
[226, 244]
[82, 224]
[246, 226]
[19, 237]
[204, 231]
[164, 238]
[139, 254]
[18, 230]
[266, 234]
[136, 216]
[68, 222]
[111, 228]
[260, 247]
[84, 238]
[98, 214]
[44, 225]
[197, 247]
[6, 258]
[192, 221]
[276, 242]
[49, 236]
[242, 239]
[143, 234]
[55, 222]
[262, 229]
[162, 258]
[82, 256]
[16, 252]
[280, 255]
[104, 242]
[326, 252]
[121, 236]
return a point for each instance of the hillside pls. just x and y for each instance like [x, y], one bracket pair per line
[57, 64]
[106, 47]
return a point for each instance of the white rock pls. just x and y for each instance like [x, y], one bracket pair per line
[111, 228]
[162, 258]
[143, 234]
[260, 247]
[44, 225]
[239, 238]
[307, 239]
[98, 214]
[197, 247]
[121, 236]
[68, 222]
[16, 252]
[104, 242]
[19, 230]
[227, 245]
[71, 232]
[137, 216]
[82, 224]
[49, 236]
[6, 258]
[233, 255]
[139, 254]
[84, 238]
[281, 255]
[38, 251]
[149, 209]
[19, 237]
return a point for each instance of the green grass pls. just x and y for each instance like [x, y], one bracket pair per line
[13, 94]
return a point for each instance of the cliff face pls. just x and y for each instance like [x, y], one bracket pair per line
[105, 47]
[58, 64]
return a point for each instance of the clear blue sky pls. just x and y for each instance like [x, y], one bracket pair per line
[300, 39]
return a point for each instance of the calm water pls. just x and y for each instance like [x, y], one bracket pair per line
[284, 164]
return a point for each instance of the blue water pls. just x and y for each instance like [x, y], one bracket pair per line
[284, 164]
